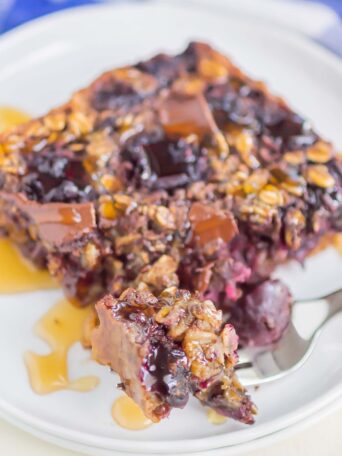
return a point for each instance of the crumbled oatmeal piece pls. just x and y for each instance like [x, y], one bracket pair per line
[167, 347]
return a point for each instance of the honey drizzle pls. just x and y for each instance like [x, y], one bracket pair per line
[127, 414]
[18, 275]
[60, 327]
[9, 117]
[215, 418]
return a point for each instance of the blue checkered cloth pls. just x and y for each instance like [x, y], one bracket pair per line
[16, 12]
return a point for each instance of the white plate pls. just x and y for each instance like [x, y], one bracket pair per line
[41, 64]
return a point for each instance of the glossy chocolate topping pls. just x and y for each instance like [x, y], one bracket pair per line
[210, 224]
[57, 223]
[183, 115]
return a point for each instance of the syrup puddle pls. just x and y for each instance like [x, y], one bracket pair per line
[18, 275]
[214, 418]
[127, 414]
[10, 117]
[60, 327]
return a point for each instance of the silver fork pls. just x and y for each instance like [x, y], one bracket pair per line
[262, 365]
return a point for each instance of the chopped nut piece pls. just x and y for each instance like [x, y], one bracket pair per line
[319, 175]
[236, 182]
[222, 144]
[55, 121]
[122, 202]
[294, 188]
[271, 195]
[107, 208]
[100, 146]
[163, 217]
[35, 128]
[320, 152]
[165, 348]
[111, 183]
[294, 225]
[188, 85]
[256, 181]
[90, 256]
[244, 142]
[125, 122]
[295, 158]
[79, 123]
[139, 81]
[212, 70]
[161, 274]
[125, 244]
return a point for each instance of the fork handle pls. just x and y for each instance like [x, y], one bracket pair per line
[334, 301]
[334, 306]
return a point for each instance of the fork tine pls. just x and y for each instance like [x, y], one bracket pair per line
[246, 372]
[248, 376]
[245, 356]
[290, 350]
[262, 365]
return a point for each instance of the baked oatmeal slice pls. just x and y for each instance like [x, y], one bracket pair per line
[189, 174]
[168, 347]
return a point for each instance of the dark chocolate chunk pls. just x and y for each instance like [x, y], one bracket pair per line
[209, 224]
[56, 223]
[183, 115]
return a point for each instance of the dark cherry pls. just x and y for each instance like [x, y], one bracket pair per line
[167, 372]
[56, 175]
[162, 66]
[216, 399]
[168, 158]
[165, 164]
[262, 314]
[248, 107]
[114, 95]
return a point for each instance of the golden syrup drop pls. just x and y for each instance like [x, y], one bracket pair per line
[337, 242]
[84, 384]
[10, 117]
[60, 327]
[127, 414]
[215, 418]
[328, 240]
[17, 275]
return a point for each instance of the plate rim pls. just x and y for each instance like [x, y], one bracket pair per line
[25, 420]
[232, 450]
[24, 32]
